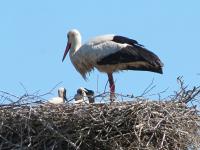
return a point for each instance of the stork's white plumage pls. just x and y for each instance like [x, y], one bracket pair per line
[110, 53]
[61, 97]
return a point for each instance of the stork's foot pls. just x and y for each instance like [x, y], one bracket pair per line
[112, 97]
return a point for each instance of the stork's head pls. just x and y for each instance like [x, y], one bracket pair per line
[74, 41]
[82, 91]
[62, 92]
[85, 95]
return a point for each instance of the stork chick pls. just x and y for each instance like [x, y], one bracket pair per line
[84, 95]
[61, 97]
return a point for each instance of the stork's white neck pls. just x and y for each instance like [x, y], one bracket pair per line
[75, 45]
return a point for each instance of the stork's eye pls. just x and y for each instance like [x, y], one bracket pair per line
[73, 34]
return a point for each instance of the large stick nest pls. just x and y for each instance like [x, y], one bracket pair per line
[139, 124]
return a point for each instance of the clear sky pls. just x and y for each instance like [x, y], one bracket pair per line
[33, 39]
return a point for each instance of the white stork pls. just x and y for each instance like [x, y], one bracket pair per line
[110, 53]
[61, 97]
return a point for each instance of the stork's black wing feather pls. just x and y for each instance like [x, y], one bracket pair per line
[122, 40]
[124, 55]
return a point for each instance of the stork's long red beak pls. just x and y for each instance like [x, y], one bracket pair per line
[66, 51]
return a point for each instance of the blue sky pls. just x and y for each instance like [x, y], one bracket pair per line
[33, 39]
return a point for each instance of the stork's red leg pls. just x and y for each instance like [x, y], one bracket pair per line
[112, 86]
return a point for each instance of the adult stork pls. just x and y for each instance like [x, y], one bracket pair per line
[110, 53]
